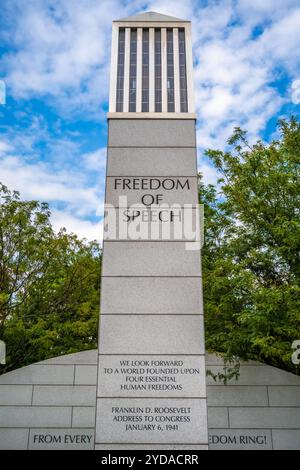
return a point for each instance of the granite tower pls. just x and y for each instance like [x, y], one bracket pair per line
[151, 382]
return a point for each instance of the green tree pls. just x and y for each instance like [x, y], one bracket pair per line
[49, 285]
[251, 254]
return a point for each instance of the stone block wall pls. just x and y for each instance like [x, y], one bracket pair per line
[51, 405]
[261, 410]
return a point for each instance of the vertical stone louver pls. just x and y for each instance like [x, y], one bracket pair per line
[151, 390]
[151, 65]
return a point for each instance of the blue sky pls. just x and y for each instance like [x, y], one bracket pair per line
[54, 60]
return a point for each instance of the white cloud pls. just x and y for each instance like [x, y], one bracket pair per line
[219, 102]
[36, 180]
[178, 8]
[210, 174]
[211, 21]
[4, 147]
[281, 41]
[61, 52]
[260, 11]
[82, 228]
[95, 160]
[74, 203]
[235, 69]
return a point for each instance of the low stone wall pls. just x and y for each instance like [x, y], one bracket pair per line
[51, 405]
[259, 411]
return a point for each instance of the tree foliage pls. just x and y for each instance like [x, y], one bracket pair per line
[49, 285]
[251, 254]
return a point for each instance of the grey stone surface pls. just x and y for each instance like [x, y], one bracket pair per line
[284, 396]
[152, 162]
[149, 447]
[61, 439]
[212, 359]
[236, 395]
[150, 259]
[151, 334]
[151, 133]
[162, 223]
[15, 395]
[128, 334]
[64, 395]
[217, 417]
[13, 439]
[35, 416]
[189, 415]
[151, 295]
[82, 357]
[83, 417]
[186, 195]
[240, 439]
[151, 376]
[40, 374]
[85, 375]
[258, 375]
[286, 439]
[282, 417]
[252, 417]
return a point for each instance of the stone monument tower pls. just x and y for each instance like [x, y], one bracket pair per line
[144, 388]
[151, 378]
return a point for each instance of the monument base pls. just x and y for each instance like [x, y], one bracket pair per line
[50, 405]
